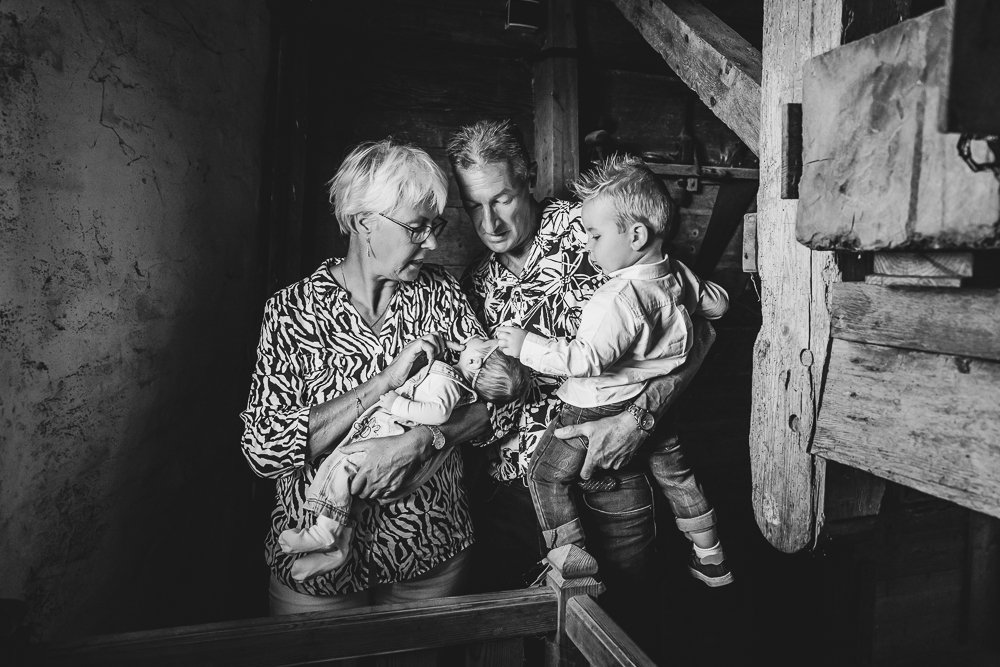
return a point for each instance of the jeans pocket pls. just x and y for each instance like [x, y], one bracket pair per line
[633, 496]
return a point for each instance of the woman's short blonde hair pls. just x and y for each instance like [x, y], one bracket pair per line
[379, 176]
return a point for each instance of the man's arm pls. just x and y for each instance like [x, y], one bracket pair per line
[613, 440]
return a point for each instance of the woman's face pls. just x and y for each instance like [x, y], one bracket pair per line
[395, 255]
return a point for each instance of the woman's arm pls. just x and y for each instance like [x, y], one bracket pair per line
[329, 421]
[276, 419]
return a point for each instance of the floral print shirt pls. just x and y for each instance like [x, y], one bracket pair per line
[546, 299]
[314, 346]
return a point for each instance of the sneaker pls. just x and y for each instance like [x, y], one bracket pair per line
[712, 574]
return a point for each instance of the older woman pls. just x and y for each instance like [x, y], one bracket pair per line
[330, 346]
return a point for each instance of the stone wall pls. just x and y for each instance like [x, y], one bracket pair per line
[130, 144]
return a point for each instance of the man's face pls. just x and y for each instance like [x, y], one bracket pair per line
[500, 205]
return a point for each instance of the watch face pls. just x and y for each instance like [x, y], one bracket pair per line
[647, 421]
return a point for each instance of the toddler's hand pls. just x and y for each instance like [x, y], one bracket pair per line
[386, 400]
[511, 340]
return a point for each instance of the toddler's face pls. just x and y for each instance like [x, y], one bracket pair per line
[476, 349]
[609, 248]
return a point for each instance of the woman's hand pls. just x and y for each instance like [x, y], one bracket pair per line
[392, 461]
[415, 355]
[511, 340]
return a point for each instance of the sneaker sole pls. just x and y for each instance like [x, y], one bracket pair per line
[714, 582]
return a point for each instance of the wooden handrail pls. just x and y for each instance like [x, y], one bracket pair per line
[300, 639]
[564, 610]
[599, 639]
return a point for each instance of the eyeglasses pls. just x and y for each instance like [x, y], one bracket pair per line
[420, 234]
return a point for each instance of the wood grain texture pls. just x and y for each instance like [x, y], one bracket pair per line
[971, 93]
[949, 264]
[557, 102]
[314, 637]
[599, 638]
[928, 421]
[876, 173]
[960, 322]
[912, 281]
[791, 348]
[721, 67]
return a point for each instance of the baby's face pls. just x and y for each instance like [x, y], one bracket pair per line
[471, 358]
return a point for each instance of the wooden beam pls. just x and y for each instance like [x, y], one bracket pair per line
[928, 421]
[929, 264]
[791, 348]
[721, 67]
[315, 637]
[557, 119]
[599, 638]
[877, 174]
[721, 174]
[960, 322]
[971, 93]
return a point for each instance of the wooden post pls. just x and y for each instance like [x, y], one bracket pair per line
[567, 584]
[791, 349]
[555, 85]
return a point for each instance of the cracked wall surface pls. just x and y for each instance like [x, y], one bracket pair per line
[130, 143]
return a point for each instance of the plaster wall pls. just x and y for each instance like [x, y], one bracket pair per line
[130, 143]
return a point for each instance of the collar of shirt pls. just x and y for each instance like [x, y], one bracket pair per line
[643, 271]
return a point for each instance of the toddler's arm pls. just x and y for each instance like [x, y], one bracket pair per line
[609, 325]
[438, 397]
[701, 297]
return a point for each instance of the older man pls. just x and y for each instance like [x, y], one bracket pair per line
[537, 276]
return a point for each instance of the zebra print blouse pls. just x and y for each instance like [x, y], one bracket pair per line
[313, 347]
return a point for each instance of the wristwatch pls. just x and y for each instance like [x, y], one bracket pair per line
[438, 441]
[643, 418]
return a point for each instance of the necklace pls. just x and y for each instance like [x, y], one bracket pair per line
[376, 324]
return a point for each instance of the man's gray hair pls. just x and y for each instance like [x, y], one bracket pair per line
[379, 176]
[637, 194]
[489, 142]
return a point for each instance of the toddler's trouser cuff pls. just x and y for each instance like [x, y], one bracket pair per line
[697, 524]
[568, 533]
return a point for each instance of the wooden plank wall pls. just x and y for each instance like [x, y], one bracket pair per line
[418, 69]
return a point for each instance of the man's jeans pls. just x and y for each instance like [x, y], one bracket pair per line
[556, 464]
[621, 533]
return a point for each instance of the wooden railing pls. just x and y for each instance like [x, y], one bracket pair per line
[578, 632]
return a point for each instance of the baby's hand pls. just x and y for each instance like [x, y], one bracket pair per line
[511, 340]
[386, 400]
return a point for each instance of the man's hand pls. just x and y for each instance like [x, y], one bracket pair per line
[392, 462]
[511, 340]
[612, 441]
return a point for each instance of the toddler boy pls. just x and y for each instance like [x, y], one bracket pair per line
[636, 327]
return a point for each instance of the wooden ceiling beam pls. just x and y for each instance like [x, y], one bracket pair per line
[721, 67]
